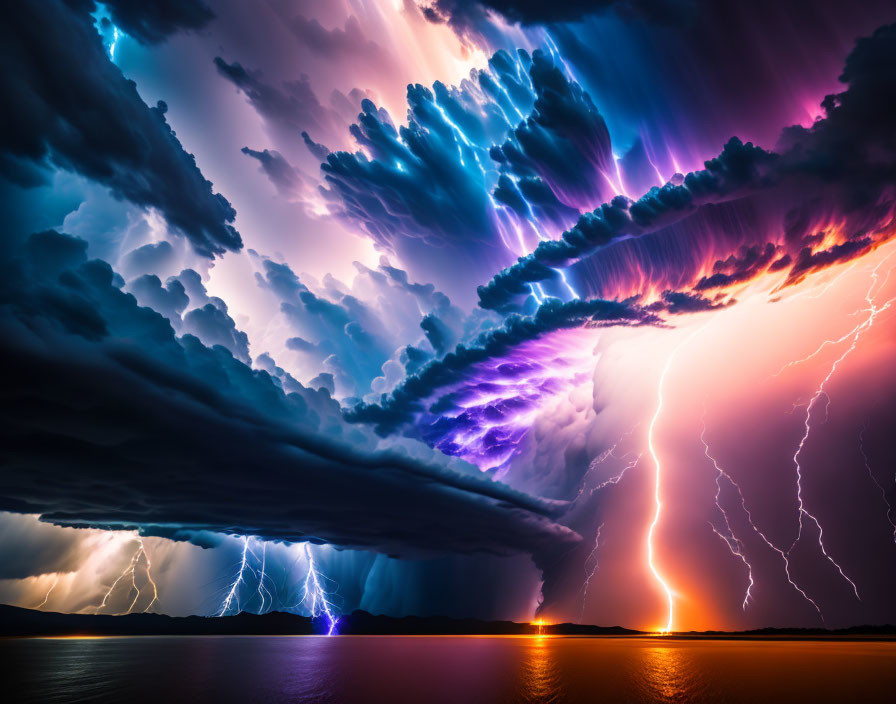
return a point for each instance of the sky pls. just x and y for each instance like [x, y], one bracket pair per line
[479, 308]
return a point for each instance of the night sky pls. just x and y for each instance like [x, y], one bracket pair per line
[482, 308]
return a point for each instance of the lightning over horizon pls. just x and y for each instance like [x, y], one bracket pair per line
[495, 311]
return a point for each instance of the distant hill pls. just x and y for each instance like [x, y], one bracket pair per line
[15, 621]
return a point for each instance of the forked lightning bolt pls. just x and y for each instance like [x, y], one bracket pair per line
[883, 492]
[592, 557]
[131, 571]
[233, 593]
[873, 310]
[728, 537]
[315, 597]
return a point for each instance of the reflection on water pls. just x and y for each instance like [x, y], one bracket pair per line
[541, 679]
[669, 675]
[446, 670]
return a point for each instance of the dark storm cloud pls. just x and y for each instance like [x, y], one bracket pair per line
[170, 300]
[337, 43]
[290, 109]
[678, 302]
[847, 158]
[808, 260]
[109, 420]
[464, 13]
[565, 141]
[357, 334]
[30, 549]
[214, 326]
[410, 397]
[739, 168]
[279, 171]
[742, 266]
[153, 22]
[68, 106]
[417, 185]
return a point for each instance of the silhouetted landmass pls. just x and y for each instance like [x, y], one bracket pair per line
[15, 621]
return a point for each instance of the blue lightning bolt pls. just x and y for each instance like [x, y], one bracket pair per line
[315, 597]
[233, 592]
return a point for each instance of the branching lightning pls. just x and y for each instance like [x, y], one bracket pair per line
[131, 571]
[728, 537]
[315, 597]
[592, 558]
[873, 310]
[233, 592]
[883, 492]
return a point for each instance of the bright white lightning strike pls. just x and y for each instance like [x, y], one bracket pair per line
[651, 446]
[49, 591]
[592, 557]
[873, 311]
[315, 597]
[131, 571]
[728, 537]
[233, 592]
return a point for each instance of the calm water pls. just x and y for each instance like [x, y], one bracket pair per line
[398, 669]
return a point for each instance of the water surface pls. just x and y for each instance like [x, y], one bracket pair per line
[449, 670]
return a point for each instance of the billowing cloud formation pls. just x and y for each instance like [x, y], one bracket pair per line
[109, 420]
[481, 172]
[32, 549]
[361, 336]
[63, 84]
[289, 110]
[464, 12]
[286, 179]
[848, 155]
[154, 22]
[479, 400]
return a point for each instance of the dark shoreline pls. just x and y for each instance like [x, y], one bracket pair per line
[20, 622]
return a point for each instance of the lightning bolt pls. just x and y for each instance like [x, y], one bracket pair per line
[131, 571]
[721, 473]
[873, 310]
[233, 591]
[821, 392]
[589, 575]
[728, 537]
[651, 446]
[315, 597]
[49, 591]
[883, 492]
[262, 589]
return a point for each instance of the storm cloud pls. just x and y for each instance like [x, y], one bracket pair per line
[64, 86]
